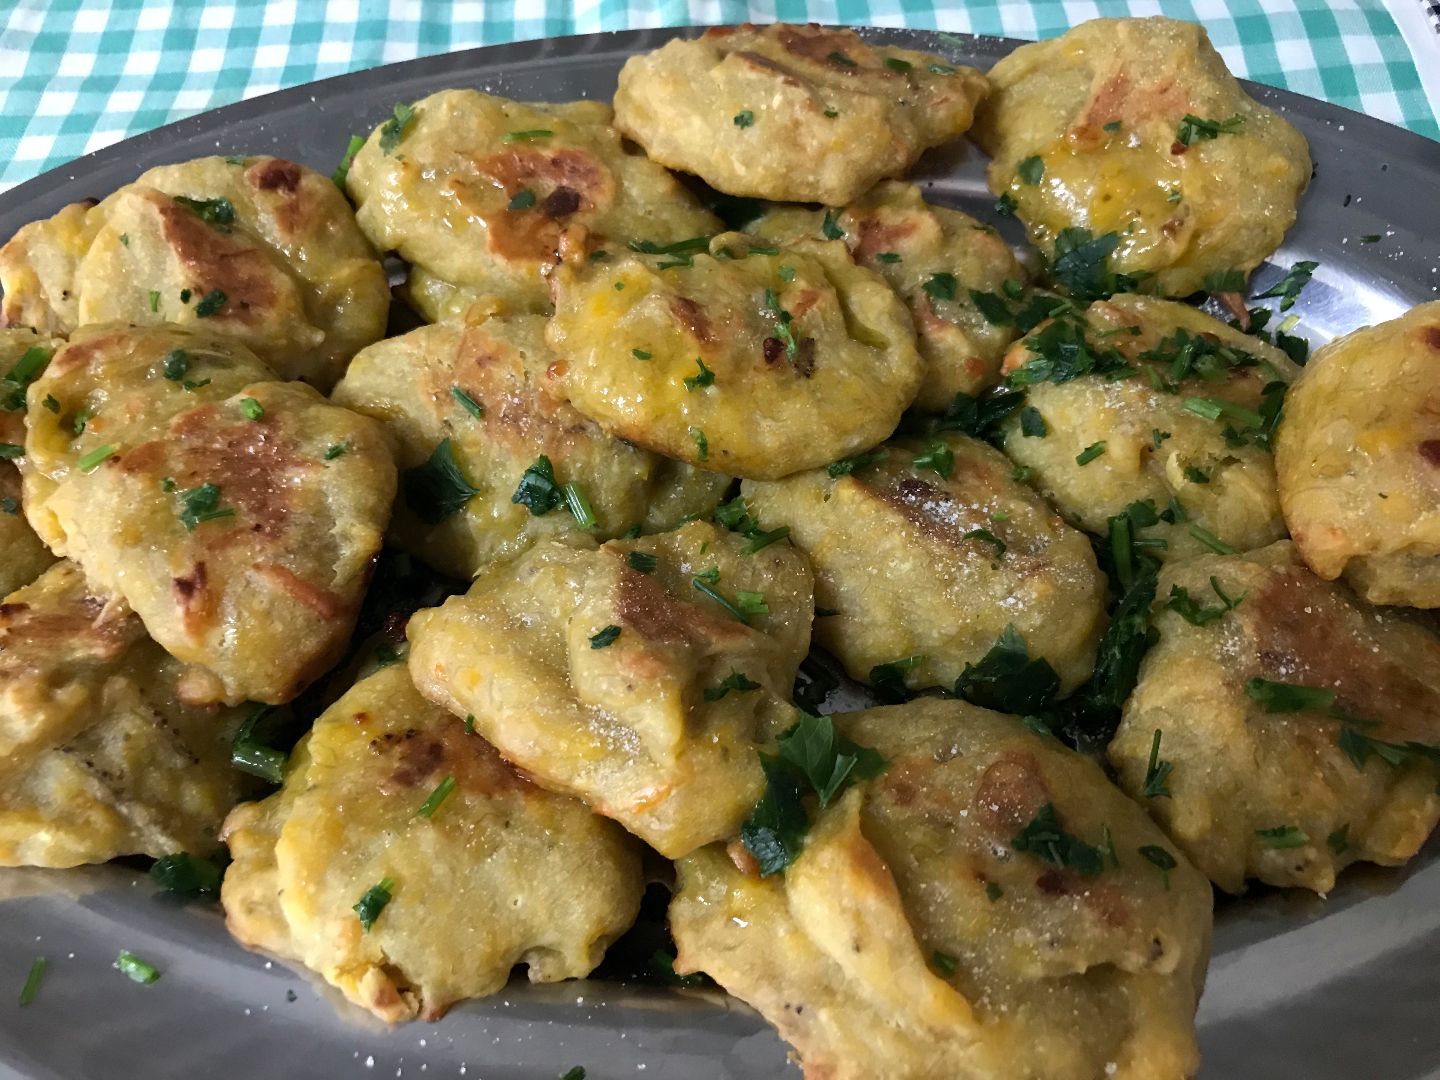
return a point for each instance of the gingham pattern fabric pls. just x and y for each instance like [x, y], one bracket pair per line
[76, 75]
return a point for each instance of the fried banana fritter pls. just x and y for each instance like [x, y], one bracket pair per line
[936, 259]
[238, 516]
[1271, 783]
[484, 195]
[792, 113]
[639, 677]
[1358, 457]
[99, 756]
[756, 360]
[1135, 131]
[1177, 409]
[490, 873]
[488, 388]
[925, 555]
[989, 907]
[256, 248]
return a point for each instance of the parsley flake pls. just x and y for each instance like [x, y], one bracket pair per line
[937, 457]
[342, 171]
[940, 286]
[393, 130]
[744, 118]
[1283, 837]
[702, 378]
[736, 681]
[210, 304]
[1044, 838]
[1090, 453]
[1283, 697]
[135, 969]
[523, 199]
[437, 489]
[1157, 772]
[1193, 129]
[537, 491]
[468, 403]
[1031, 170]
[375, 900]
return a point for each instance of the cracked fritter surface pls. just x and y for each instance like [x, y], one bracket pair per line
[792, 113]
[1358, 457]
[484, 195]
[427, 385]
[934, 257]
[912, 939]
[238, 516]
[911, 563]
[597, 672]
[1239, 770]
[99, 756]
[499, 873]
[256, 248]
[756, 360]
[1155, 446]
[1103, 108]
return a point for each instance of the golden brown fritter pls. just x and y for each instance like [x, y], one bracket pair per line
[497, 873]
[484, 195]
[928, 563]
[428, 386]
[1152, 443]
[1134, 128]
[238, 517]
[754, 363]
[259, 249]
[640, 685]
[934, 257]
[793, 113]
[915, 937]
[1290, 796]
[1358, 458]
[99, 757]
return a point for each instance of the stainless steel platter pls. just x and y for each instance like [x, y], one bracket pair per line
[1299, 987]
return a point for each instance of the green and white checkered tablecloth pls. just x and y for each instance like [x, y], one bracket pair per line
[76, 75]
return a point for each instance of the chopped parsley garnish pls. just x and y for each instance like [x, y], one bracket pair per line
[937, 457]
[705, 584]
[764, 249]
[1195, 474]
[703, 377]
[1061, 352]
[1283, 697]
[438, 796]
[688, 246]
[523, 199]
[1032, 424]
[1112, 126]
[1371, 238]
[248, 751]
[469, 723]
[846, 466]
[175, 365]
[154, 299]
[23, 372]
[979, 417]
[580, 507]
[1283, 837]
[640, 354]
[1044, 838]
[369, 906]
[1081, 264]
[829, 229]
[993, 891]
[1339, 840]
[387, 655]
[187, 875]
[184, 296]
[342, 171]
[992, 308]
[735, 515]
[252, 409]
[577, 1072]
[942, 69]
[1214, 409]
[1159, 857]
[814, 756]
[734, 681]
[1005, 205]
[785, 273]
[831, 114]
[528, 136]
[437, 489]
[537, 491]
[886, 257]
[393, 130]
[135, 969]
[783, 319]
[201, 504]
[751, 603]
[210, 304]
[1183, 604]
[1210, 540]
[744, 118]
[1031, 170]
[1157, 772]
[1359, 747]
[760, 540]
[989, 538]
[1008, 679]
[1157, 436]
[1193, 129]
[1090, 453]
[940, 286]
[702, 444]
[91, 461]
[468, 403]
[642, 561]
[1289, 287]
[840, 58]
[10, 451]
[335, 450]
[32, 981]
[217, 212]
[889, 679]
[9, 505]
[894, 63]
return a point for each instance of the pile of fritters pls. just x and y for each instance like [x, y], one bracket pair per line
[1112, 567]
